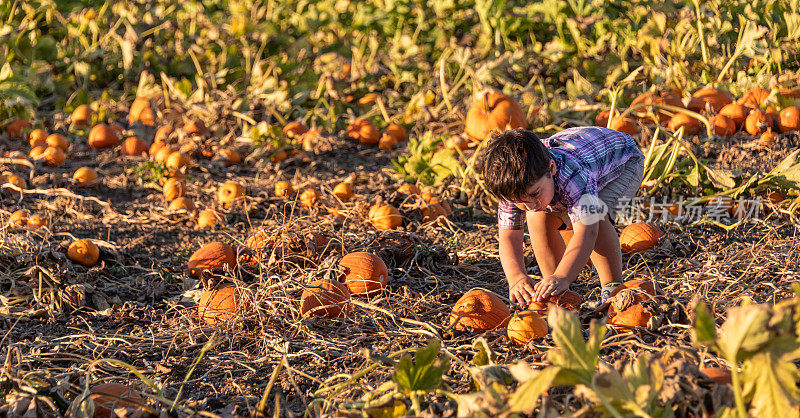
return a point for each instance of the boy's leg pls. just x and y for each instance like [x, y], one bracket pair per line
[607, 257]
[548, 246]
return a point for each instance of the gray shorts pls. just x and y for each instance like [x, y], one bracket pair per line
[622, 188]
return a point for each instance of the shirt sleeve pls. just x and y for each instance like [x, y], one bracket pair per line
[583, 200]
[510, 217]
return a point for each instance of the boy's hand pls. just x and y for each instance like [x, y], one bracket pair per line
[550, 285]
[521, 291]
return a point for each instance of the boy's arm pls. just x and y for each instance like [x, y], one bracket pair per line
[520, 285]
[575, 257]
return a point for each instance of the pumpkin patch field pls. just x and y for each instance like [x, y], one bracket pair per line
[263, 208]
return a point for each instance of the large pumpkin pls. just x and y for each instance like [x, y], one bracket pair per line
[108, 397]
[789, 119]
[715, 98]
[490, 111]
[479, 310]
[525, 326]
[635, 315]
[662, 116]
[326, 297]
[568, 300]
[736, 112]
[212, 256]
[754, 98]
[639, 236]
[691, 126]
[103, 136]
[385, 216]
[218, 304]
[723, 125]
[364, 274]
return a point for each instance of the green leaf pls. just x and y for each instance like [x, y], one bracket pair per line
[744, 332]
[523, 400]
[394, 408]
[577, 358]
[771, 376]
[424, 373]
[484, 356]
[721, 178]
[704, 331]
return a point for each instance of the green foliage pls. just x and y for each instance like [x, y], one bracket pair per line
[426, 162]
[424, 373]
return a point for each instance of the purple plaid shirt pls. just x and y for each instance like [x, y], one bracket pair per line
[587, 158]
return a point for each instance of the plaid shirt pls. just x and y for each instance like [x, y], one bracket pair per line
[587, 158]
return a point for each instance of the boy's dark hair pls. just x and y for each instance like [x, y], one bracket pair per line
[512, 161]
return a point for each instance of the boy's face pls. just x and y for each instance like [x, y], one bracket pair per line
[540, 193]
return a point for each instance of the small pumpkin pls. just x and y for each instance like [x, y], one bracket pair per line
[625, 124]
[37, 221]
[182, 203]
[309, 198]
[37, 137]
[768, 138]
[19, 219]
[387, 142]
[193, 128]
[16, 128]
[177, 160]
[735, 112]
[525, 326]
[568, 300]
[163, 133]
[492, 111]
[36, 152]
[162, 154]
[53, 156]
[691, 126]
[408, 189]
[638, 285]
[344, 191]
[384, 216]
[141, 112]
[174, 188]
[283, 189]
[212, 256]
[479, 310]
[757, 122]
[16, 180]
[327, 298]
[364, 131]
[110, 397]
[295, 129]
[82, 116]
[789, 119]
[602, 118]
[219, 304]
[715, 98]
[230, 156]
[661, 116]
[83, 252]
[134, 146]
[723, 125]
[364, 274]
[398, 132]
[103, 136]
[209, 218]
[57, 140]
[229, 193]
[639, 236]
[634, 316]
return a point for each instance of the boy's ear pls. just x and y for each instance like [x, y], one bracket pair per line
[552, 167]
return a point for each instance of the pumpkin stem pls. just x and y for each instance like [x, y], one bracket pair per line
[486, 102]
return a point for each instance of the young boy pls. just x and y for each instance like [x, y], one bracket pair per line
[575, 177]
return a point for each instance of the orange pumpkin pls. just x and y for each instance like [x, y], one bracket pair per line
[723, 126]
[635, 315]
[713, 97]
[103, 136]
[364, 131]
[219, 304]
[134, 146]
[37, 137]
[344, 191]
[691, 126]
[110, 397]
[195, 128]
[327, 298]
[754, 98]
[310, 138]
[57, 140]
[177, 160]
[295, 129]
[283, 189]
[735, 112]
[397, 132]
[719, 375]
[141, 112]
[174, 188]
[229, 193]
[625, 124]
[409, 189]
[662, 116]
[384, 216]
[16, 180]
[19, 219]
[386, 143]
[162, 153]
[364, 274]
[81, 116]
[479, 310]
[83, 252]
[53, 156]
[36, 152]
[646, 286]
[789, 119]
[209, 218]
[639, 236]
[602, 118]
[768, 138]
[308, 198]
[568, 300]
[525, 326]
[16, 128]
[182, 203]
[493, 111]
[212, 256]
[229, 156]
[757, 122]
[37, 221]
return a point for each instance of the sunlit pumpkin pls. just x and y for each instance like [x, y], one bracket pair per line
[182, 203]
[634, 316]
[209, 218]
[768, 138]
[163, 133]
[723, 125]
[219, 304]
[142, 112]
[715, 98]
[568, 300]
[789, 119]
[197, 127]
[82, 116]
[690, 125]
[174, 188]
[754, 98]
[479, 310]
[283, 189]
[83, 252]
[215, 255]
[735, 112]
[757, 122]
[37, 137]
[103, 136]
[364, 274]
[17, 128]
[308, 198]
[525, 326]
[719, 375]
[364, 131]
[639, 236]
[57, 140]
[398, 132]
[134, 146]
[408, 189]
[387, 142]
[295, 129]
[108, 398]
[646, 286]
[492, 111]
[229, 193]
[344, 191]
[661, 116]
[327, 298]
[384, 216]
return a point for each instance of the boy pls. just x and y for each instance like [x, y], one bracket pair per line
[575, 177]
